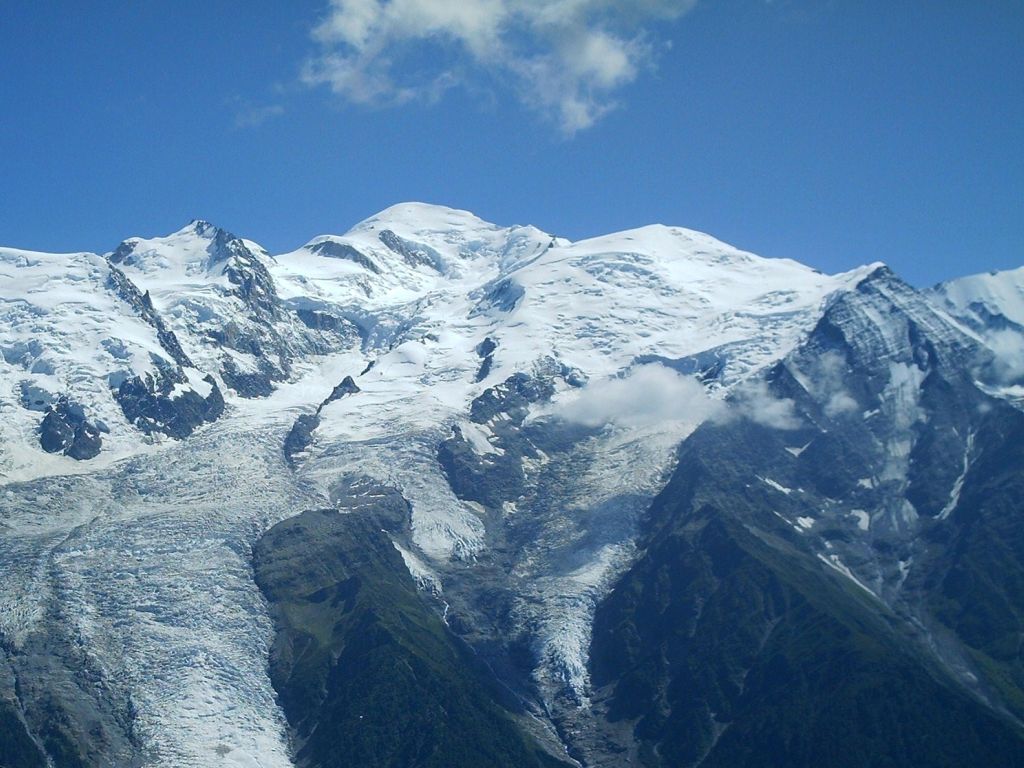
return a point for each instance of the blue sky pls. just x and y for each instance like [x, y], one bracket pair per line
[835, 132]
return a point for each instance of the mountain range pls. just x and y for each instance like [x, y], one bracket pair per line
[438, 492]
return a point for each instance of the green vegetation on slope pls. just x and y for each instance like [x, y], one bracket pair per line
[366, 673]
[728, 645]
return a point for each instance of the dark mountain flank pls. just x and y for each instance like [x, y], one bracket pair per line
[365, 670]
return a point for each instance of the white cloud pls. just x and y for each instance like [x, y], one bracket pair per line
[249, 116]
[1008, 366]
[825, 378]
[840, 403]
[650, 395]
[828, 377]
[755, 401]
[653, 394]
[564, 57]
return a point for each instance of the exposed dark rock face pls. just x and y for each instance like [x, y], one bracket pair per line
[56, 708]
[365, 670]
[414, 254]
[18, 747]
[347, 387]
[252, 384]
[55, 433]
[486, 347]
[502, 296]
[143, 304]
[64, 429]
[972, 576]
[486, 352]
[253, 283]
[300, 436]
[335, 250]
[124, 253]
[497, 477]
[487, 480]
[512, 397]
[707, 366]
[322, 321]
[151, 404]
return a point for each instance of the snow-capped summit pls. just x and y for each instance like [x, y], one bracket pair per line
[415, 218]
[992, 306]
[991, 300]
[413, 289]
[194, 254]
[404, 252]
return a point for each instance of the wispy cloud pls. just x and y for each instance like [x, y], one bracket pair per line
[251, 116]
[565, 58]
[648, 396]
[826, 379]
[755, 401]
[1008, 365]
[652, 394]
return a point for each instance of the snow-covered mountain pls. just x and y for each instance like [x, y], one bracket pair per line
[526, 398]
[992, 306]
[415, 289]
[988, 301]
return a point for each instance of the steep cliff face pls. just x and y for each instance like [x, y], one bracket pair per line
[843, 564]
